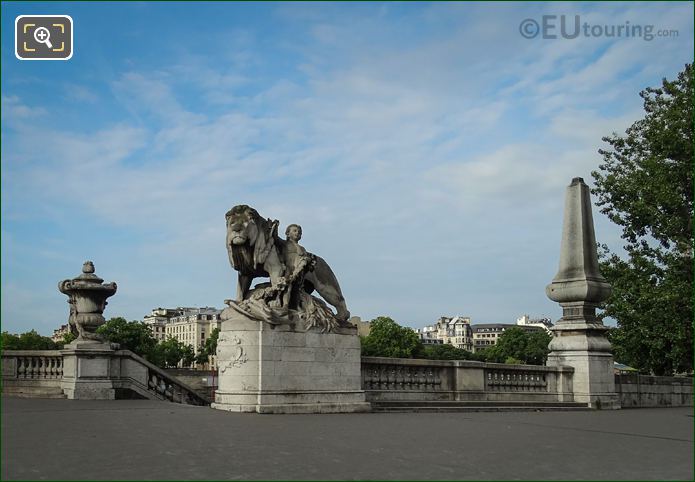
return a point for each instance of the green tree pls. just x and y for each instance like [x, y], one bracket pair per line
[517, 345]
[30, 340]
[645, 185]
[387, 338]
[173, 351]
[68, 338]
[537, 347]
[9, 341]
[513, 342]
[187, 355]
[135, 336]
[209, 349]
[446, 352]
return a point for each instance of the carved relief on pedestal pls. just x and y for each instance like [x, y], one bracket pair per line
[237, 357]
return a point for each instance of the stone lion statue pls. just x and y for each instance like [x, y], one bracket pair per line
[255, 250]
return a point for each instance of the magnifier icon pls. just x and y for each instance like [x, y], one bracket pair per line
[43, 36]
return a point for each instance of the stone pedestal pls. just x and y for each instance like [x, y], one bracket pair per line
[87, 371]
[584, 347]
[268, 369]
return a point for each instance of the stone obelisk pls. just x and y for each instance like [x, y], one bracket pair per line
[579, 338]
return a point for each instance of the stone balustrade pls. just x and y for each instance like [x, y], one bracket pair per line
[516, 378]
[32, 365]
[637, 391]
[39, 373]
[399, 379]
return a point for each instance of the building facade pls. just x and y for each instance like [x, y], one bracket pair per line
[487, 334]
[59, 333]
[189, 325]
[193, 326]
[544, 323]
[459, 332]
[454, 330]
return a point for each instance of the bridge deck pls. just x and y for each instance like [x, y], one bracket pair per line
[149, 440]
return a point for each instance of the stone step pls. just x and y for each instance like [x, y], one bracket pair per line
[476, 409]
[33, 392]
[478, 405]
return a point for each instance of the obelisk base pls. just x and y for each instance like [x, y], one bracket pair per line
[584, 347]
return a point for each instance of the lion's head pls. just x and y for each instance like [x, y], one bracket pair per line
[249, 238]
[242, 225]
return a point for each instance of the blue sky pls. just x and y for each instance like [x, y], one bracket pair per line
[424, 147]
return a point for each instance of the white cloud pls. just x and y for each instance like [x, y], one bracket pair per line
[448, 151]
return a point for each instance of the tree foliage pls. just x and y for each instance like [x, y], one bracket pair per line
[171, 352]
[387, 338]
[209, 348]
[645, 185]
[517, 346]
[446, 352]
[135, 336]
[68, 338]
[30, 340]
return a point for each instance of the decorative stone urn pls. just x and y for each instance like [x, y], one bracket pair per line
[87, 297]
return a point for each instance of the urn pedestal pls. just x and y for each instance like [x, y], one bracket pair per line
[87, 371]
[273, 369]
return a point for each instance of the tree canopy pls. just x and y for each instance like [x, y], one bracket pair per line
[209, 349]
[516, 345]
[645, 185]
[137, 337]
[30, 340]
[387, 338]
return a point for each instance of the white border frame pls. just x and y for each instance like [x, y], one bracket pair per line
[72, 33]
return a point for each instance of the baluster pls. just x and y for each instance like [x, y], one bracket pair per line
[438, 378]
[389, 377]
[415, 378]
[168, 391]
[408, 378]
[373, 379]
[429, 381]
[398, 378]
[32, 367]
[381, 377]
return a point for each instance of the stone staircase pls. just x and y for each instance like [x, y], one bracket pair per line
[474, 406]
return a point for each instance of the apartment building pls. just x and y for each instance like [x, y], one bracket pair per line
[487, 334]
[454, 330]
[189, 325]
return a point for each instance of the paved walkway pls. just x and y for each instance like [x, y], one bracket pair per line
[147, 440]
